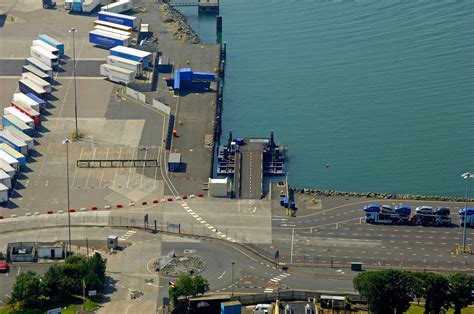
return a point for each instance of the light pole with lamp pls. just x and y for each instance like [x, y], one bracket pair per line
[466, 176]
[327, 175]
[67, 142]
[233, 263]
[73, 30]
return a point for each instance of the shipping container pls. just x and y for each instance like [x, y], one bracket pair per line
[31, 69]
[39, 65]
[126, 64]
[40, 101]
[107, 39]
[111, 30]
[123, 28]
[53, 42]
[20, 97]
[118, 7]
[14, 143]
[44, 56]
[46, 46]
[5, 166]
[26, 109]
[21, 136]
[37, 80]
[10, 150]
[132, 54]
[19, 115]
[5, 179]
[117, 74]
[3, 193]
[90, 5]
[26, 86]
[9, 120]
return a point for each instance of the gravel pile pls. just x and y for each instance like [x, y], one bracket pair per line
[182, 264]
[178, 24]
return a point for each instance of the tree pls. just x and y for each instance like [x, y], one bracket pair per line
[386, 290]
[187, 286]
[460, 287]
[434, 289]
[95, 277]
[27, 290]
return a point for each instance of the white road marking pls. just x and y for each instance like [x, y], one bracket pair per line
[221, 276]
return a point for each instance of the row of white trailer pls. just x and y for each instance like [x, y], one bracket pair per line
[21, 119]
[87, 6]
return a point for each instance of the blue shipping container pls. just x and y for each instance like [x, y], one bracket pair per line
[9, 120]
[231, 308]
[106, 41]
[116, 18]
[40, 101]
[53, 42]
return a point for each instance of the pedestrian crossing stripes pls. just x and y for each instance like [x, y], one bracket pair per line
[127, 235]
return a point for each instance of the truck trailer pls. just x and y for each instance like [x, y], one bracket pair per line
[111, 30]
[90, 5]
[39, 65]
[20, 97]
[118, 7]
[30, 142]
[12, 152]
[10, 160]
[37, 80]
[27, 86]
[9, 120]
[53, 42]
[117, 74]
[401, 215]
[30, 112]
[46, 46]
[119, 27]
[41, 102]
[20, 115]
[15, 144]
[126, 64]
[144, 57]
[31, 69]
[44, 56]
[7, 168]
[107, 39]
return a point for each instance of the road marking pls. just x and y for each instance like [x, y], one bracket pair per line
[116, 170]
[220, 277]
[19, 269]
[130, 169]
[143, 170]
[75, 172]
[292, 240]
[90, 169]
[103, 170]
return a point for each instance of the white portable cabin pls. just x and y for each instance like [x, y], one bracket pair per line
[30, 142]
[46, 46]
[119, 27]
[20, 97]
[5, 179]
[128, 64]
[9, 160]
[37, 80]
[44, 56]
[112, 30]
[19, 115]
[5, 166]
[40, 65]
[3, 193]
[117, 74]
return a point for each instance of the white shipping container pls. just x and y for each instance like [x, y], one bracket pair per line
[9, 160]
[118, 7]
[90, 5]
[117, 74]
[19, 115]
[128, 64]
[44, 56]
[46, 46]
[22, 98]
[39, 65]
[7, 168]
[37, 80]
[21, 136]
[111, 30]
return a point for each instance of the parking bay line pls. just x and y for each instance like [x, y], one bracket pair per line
[89, 173]
[103, 170]
[130, 169]
[75, 172]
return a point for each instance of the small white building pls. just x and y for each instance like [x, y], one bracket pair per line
[53, 250]
[219, 187]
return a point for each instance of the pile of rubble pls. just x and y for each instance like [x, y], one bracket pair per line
[182, 264]
[178, 24]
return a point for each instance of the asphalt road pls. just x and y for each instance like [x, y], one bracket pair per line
[338, 235]
[84, 68]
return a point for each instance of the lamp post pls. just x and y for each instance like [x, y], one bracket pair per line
[327, 175]
[67, 142]
[73, 30]
[233, 263]
[466, 176]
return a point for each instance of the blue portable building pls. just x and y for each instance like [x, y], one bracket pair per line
[53, 42]
[186, 74]
[108, 39]
[231, 307]
[41, 102]
[133, 54]
[11, 120]
[118, 18]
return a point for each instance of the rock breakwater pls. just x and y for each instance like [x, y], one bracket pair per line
[178, 24]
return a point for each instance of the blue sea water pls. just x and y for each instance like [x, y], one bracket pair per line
[381, 91]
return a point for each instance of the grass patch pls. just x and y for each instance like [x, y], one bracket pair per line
[70, 309]
[89, 305]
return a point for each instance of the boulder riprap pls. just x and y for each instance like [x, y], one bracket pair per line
[178, 24]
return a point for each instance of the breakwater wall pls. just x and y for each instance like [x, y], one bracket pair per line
[387, 196]
[178, 24]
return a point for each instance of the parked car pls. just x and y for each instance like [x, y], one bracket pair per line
[444, 211]
[424, 210]
[4, 268]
